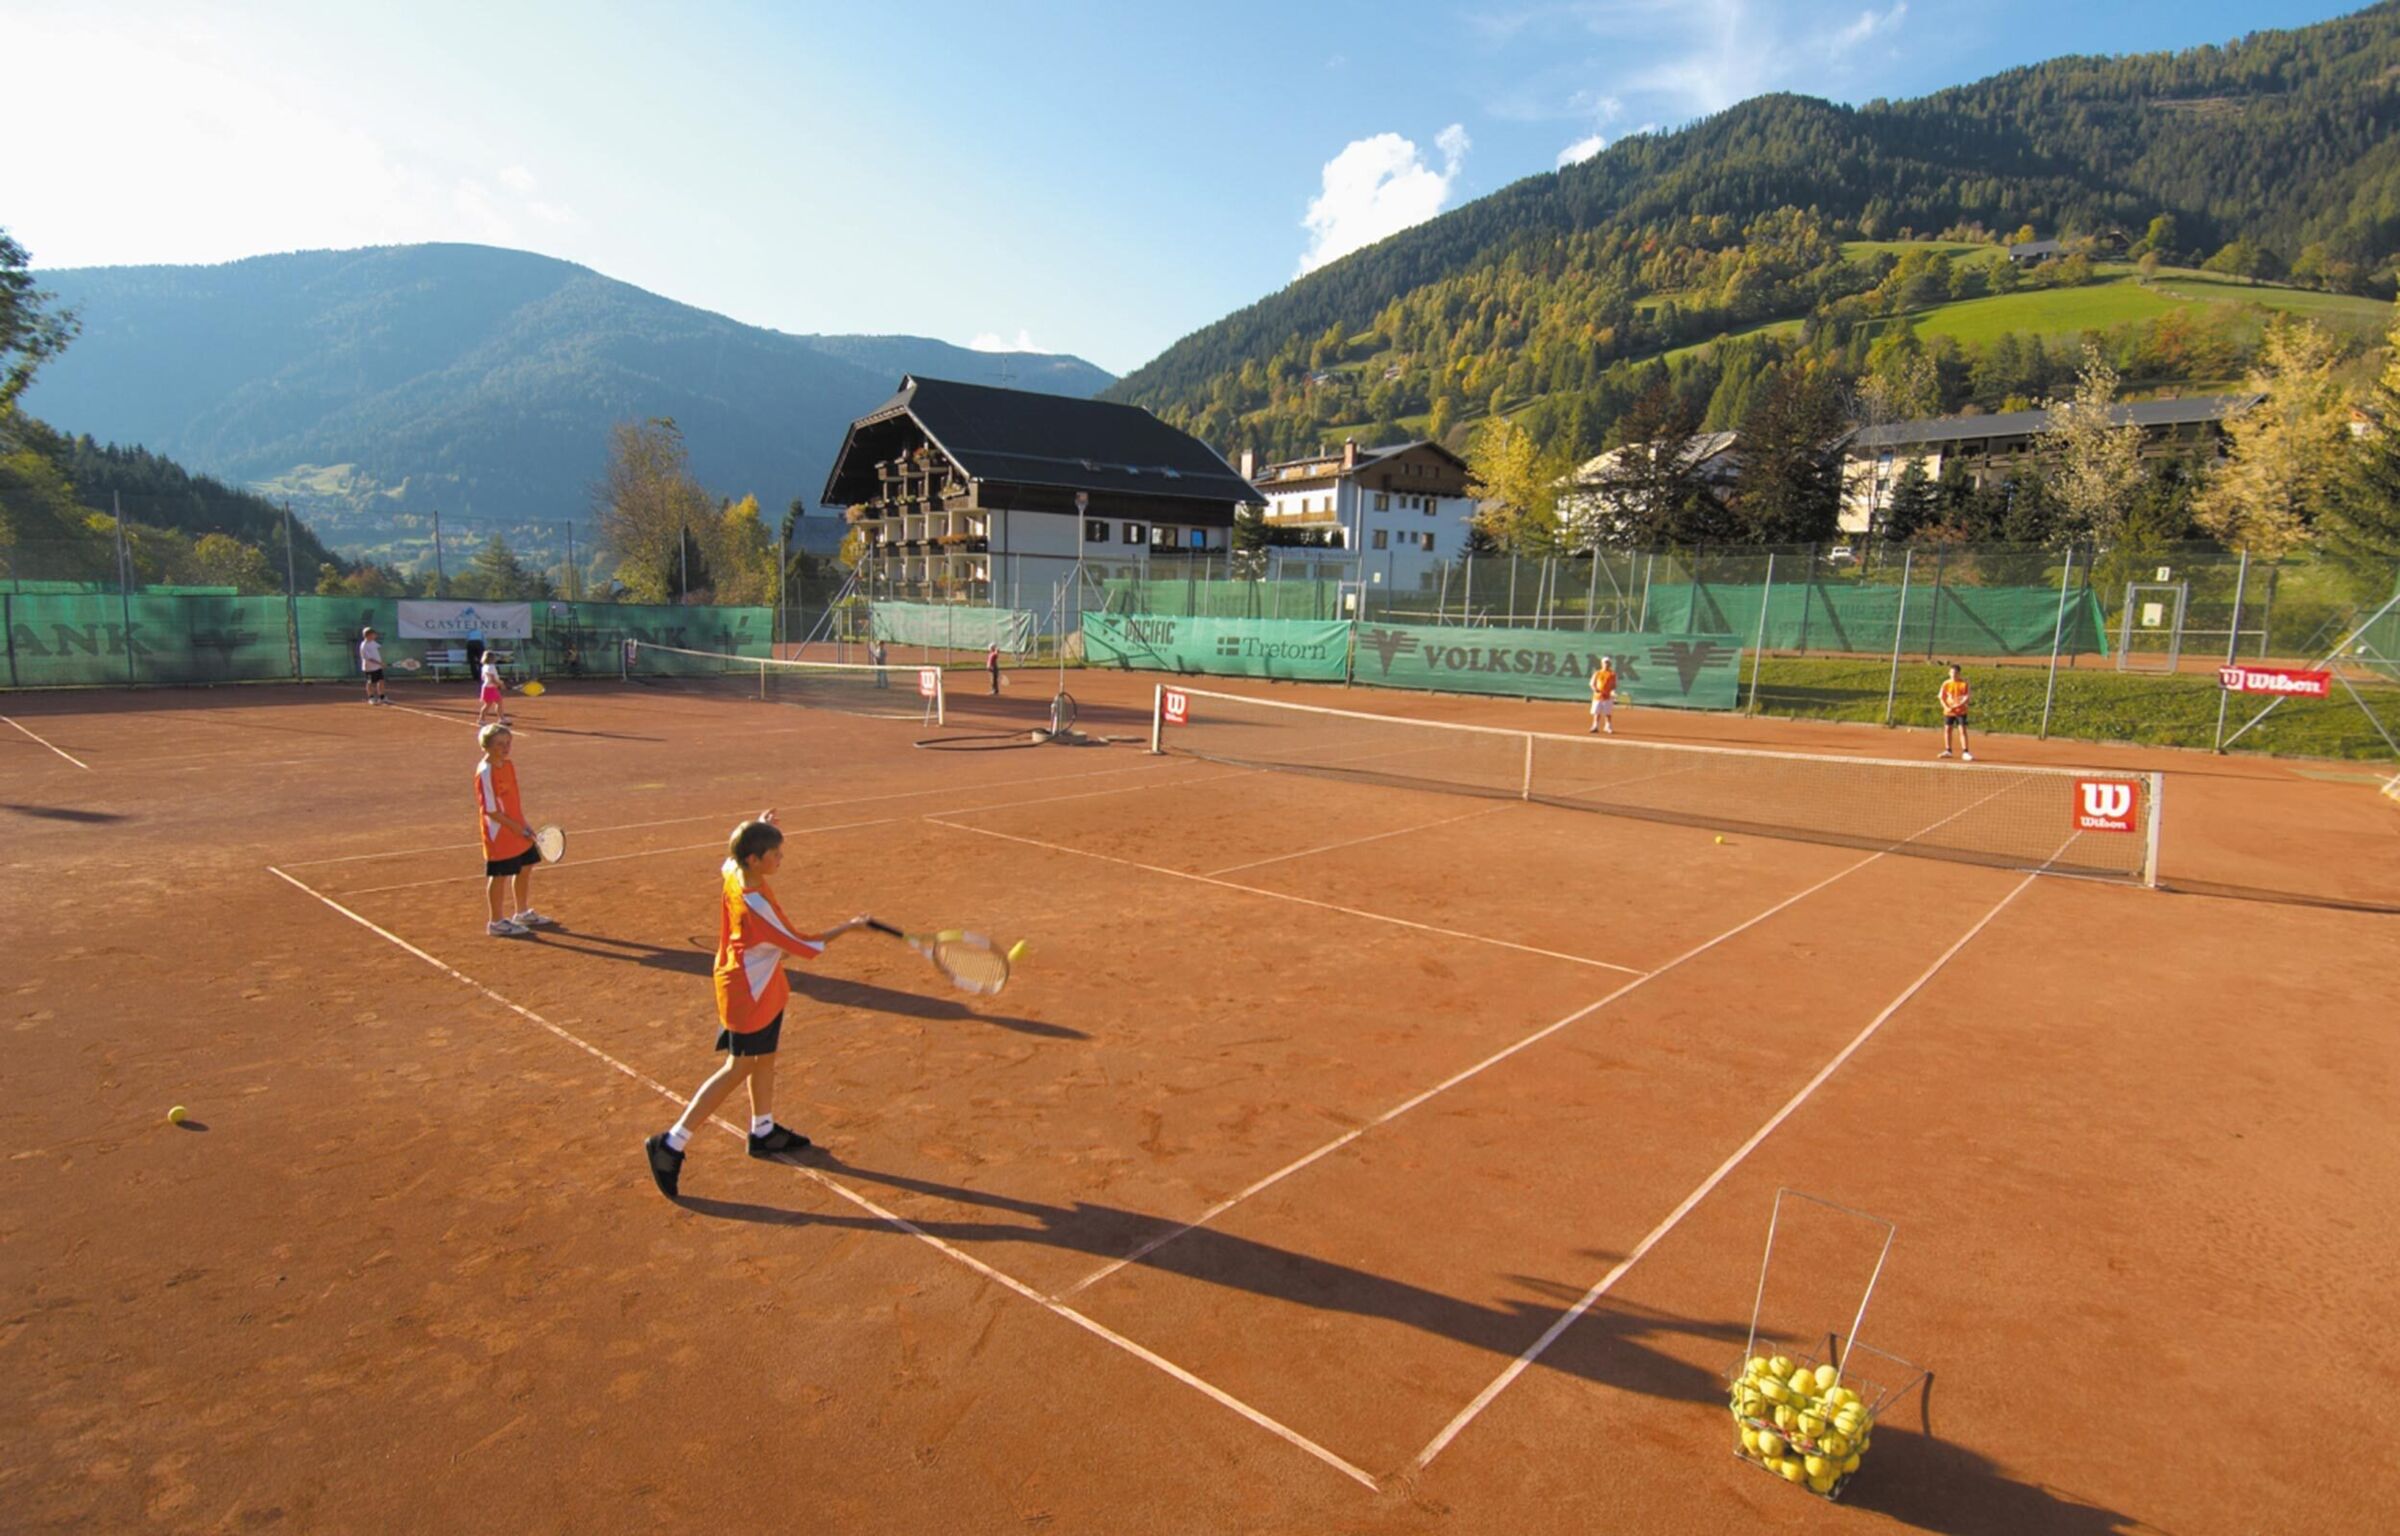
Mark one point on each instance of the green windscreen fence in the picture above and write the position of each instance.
(1680, 671)
(87, 640)
(1302, 649)
(1932, 620)
(951, 626)
(1201, 597)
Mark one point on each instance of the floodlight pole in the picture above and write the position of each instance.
(2233, 642)
(2058, 633)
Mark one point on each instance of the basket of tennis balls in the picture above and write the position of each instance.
(1794, 1417)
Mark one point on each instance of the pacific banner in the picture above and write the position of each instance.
(1678, 671)
(1306, 650)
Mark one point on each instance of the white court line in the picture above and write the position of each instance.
(61, 751)
(1306, 901)
(900, 1223)
(1493, 1060)
(839, 826)
(1147, 766)
(1516, 1367)
(1372, 837)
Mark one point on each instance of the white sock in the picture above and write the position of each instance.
(678, 1138)
(761, 1124)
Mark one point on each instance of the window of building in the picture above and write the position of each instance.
(1199, 538)
(1135, 533)
(1380, 540)
(1095, 530)
(1383, 501)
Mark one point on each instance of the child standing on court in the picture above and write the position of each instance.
(1954, 695)
(753, 938)
(490, 697)
(991, 663)
(1604, 696)
(508, 851)
(370, 662)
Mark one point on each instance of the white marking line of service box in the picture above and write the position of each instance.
(1306, 901)
(1149, 765)
(1516, 1367)
(842, 826)
(61, 751)
(1493, 1060)
(1586, 1011)
(1372, 837)
(897, 1222)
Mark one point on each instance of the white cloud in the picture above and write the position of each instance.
(1376, 187)
(993, 341)
(1868, 24)
(1582, 149)
(517, 179)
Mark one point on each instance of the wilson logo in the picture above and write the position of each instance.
(1176, 707)
(2103, 805)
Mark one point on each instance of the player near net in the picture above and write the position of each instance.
(509, 851)
(754, 938)
(1955, 695)
(1604, 696)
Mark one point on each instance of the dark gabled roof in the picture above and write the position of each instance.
(1022, 437)
(2141, 413)
(2037, 248)
(1328, 466)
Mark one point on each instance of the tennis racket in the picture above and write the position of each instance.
(408, 664)
(971, 960)
(552, 843)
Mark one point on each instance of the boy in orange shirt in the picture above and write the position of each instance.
(753, 939)
(1954, 695)
(1604, 697)
(508, 851)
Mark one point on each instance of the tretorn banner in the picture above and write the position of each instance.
(1678, 671)
(1308, 650)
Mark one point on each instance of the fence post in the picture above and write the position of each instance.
(2241, 581)
(1758, 654)
(2058, 633)
(1649, 567)
(2266, 615)
(1933, 627)
(1466, 604)
(1808, 592)
(1908, 560)
(1512, 589)
(291, 594)
(1591, 595)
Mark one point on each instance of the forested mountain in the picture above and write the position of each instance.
(479, 381)
(2276, 156)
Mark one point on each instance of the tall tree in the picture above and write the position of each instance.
(1646, 492)
(2091, 464)
(652, 512)
(1518, 484)
(1789, 487)
(2360, 527)
(2285, 455)
(31, 330)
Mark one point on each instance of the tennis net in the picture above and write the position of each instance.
(857, 688)
(2069, 821)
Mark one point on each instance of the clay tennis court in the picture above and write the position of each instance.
(1343, 1157)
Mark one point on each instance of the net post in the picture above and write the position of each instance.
(1526, 792)
(2158, 790)
(1758, 655)
(1891, 692)
(762, 682)
(1158, 714)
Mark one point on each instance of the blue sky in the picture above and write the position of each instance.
(1098, 179)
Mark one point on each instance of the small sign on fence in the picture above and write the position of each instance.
(2299, 682)
(929, 682)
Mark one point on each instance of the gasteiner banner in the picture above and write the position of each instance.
(424, 619)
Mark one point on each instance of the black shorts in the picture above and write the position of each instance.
(758, 1042)
(375, 674)
(1950, 720)
(514, 863)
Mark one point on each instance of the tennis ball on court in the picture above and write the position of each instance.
(1826, 1377)
(176, 1115)
(1016, 951)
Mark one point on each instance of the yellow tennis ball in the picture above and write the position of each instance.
(175, 1116)
(1817, 1466)
(1822, 1482)
(1849, 1465)
(1720, 837)
(1804, 1382)
(1756, 1367)
(1770, 1445)
(1780, 1367)
(1826, 1377)
(1793, 1471)
(1016, 951)
(1811, 1426)
(1834, 1446)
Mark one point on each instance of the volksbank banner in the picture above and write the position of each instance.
(1309, 650)
(1681, 671)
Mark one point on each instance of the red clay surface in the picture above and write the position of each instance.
(1378, 1084)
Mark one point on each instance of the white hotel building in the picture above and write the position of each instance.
(1403, 509)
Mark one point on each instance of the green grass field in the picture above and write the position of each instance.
(1867, 250)
(2095, 702)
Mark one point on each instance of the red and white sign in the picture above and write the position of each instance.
(2298, 681)
(929, 681)
(1176, 707)
(2105, 805)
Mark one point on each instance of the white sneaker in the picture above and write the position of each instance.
(529, 918)
(1970, 757)
(504, 929)
(1945, 752)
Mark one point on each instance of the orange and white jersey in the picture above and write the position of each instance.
(1955, 694)
(1604, 684)
(496, 792)
(753, 936)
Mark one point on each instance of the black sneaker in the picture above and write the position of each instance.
(666, 1164)
(777, 1142)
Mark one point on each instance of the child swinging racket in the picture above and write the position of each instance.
(973, 962)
